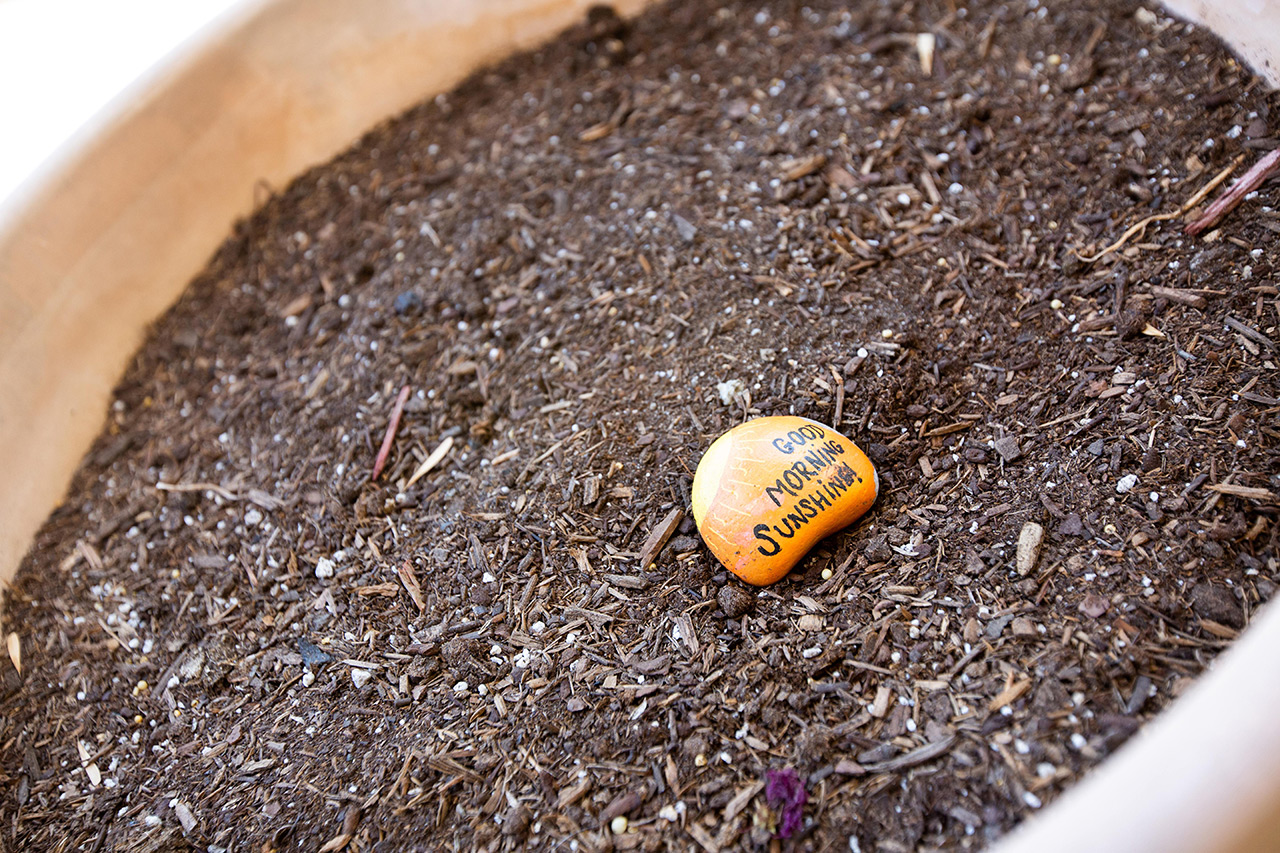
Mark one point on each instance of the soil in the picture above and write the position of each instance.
(232, 638)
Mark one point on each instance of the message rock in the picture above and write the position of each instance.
(767, 490)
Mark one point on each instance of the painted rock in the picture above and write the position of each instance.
(767, 490)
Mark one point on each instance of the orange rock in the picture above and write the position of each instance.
(766, 491)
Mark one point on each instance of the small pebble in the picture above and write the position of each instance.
(1008, 448)
(619, 824)
(1029, 542)
(1094, 605)
(312, 655)
(408, 302)
(730, 390)
(324, 568)
(360, 677)
(1126, 484)
(686, 229)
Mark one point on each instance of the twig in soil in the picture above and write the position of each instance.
(835, 421)
(248, 570)
(110, 812)
(1183, 297)
(1248, 331)
(411, 586)
(1141, 225)
(197, 487)
(385, 450)
(658, 537)
(257, 496)
(112, 634)
(1225, 203)
(615, 121)
(1249, 492)
(920, 755)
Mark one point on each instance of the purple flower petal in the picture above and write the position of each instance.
(785, 792)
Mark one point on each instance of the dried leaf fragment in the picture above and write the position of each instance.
(810, 622)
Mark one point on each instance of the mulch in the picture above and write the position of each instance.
(234, 637)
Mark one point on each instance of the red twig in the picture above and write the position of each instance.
(1226, 202)
(385, 450)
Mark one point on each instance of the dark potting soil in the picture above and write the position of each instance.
(233, 639)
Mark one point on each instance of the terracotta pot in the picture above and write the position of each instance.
(109, 234)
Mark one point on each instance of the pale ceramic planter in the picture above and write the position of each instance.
(106, 238)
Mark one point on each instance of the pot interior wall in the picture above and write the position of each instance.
(1249, 26)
